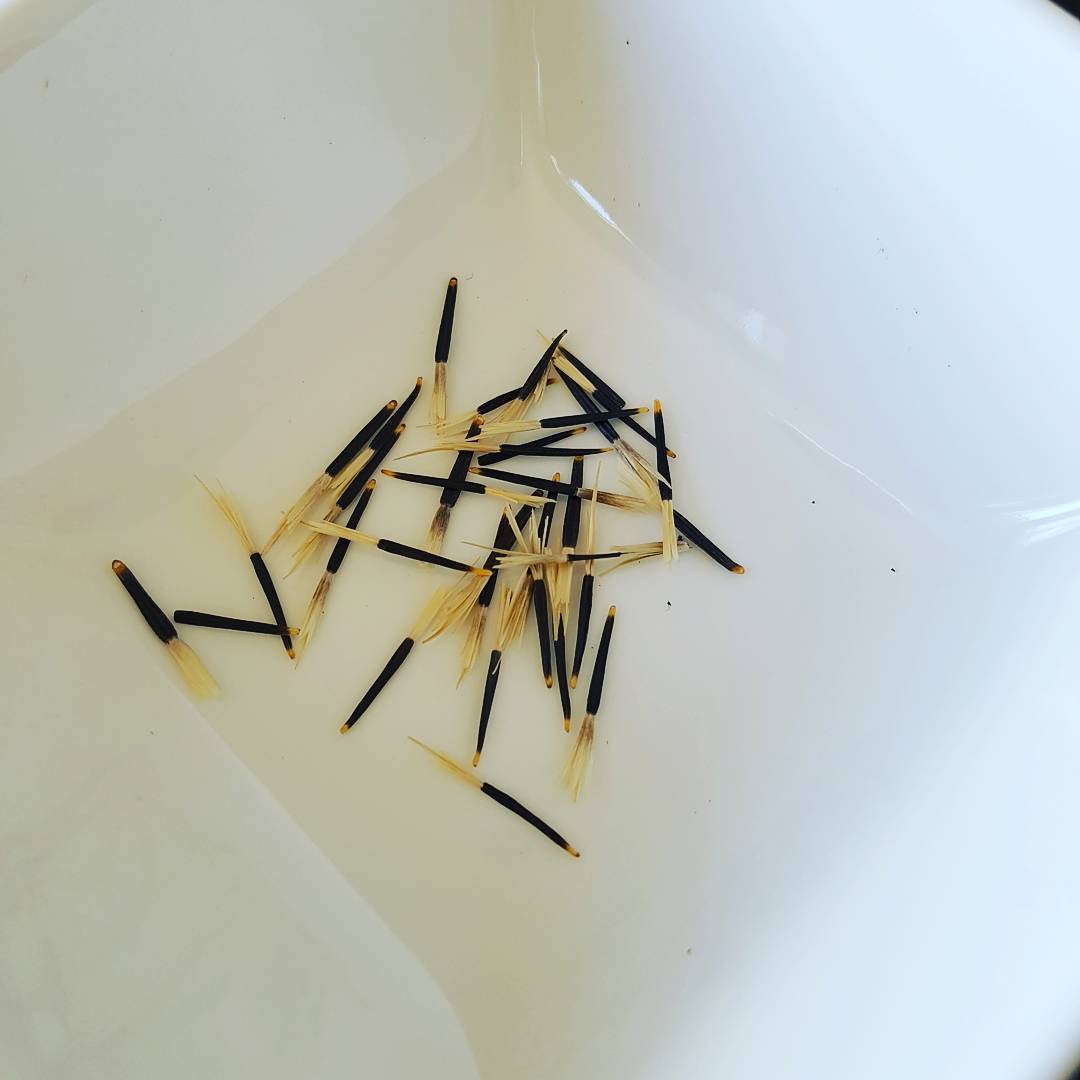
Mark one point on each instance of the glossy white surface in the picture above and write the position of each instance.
(830, 832)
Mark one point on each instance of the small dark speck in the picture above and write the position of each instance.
(916, 310)
(892, 569)
(151, 732)
(813, 502)
(628, 43)
(669, 603)
(689, 952)
(46, 84)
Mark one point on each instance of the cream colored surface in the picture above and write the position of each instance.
(829, 832)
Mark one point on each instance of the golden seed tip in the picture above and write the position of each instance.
(656, 405)
(579, 457)
(573, 682)
(566, 724)
(343, 729)
(481, 571)
(452, 283)
(611, 612)
(118, 566)
(291, 653)
(391, 405)
(739, 570)
(573, 851)
(476, 759)
(557, 477)
(671, 454)
(370, 485)
(399, 429)
(548, 681)
(388, 472)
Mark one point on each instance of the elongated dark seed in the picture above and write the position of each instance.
(376, 688)
(587, 403)
(572, 513)
(437, 481)
(357, 443)
(225, 622)
(596, 683)
(584, 614)
(561, 674)
(551, 487)
(526, 448)
(511, 804)
(380, 448)
(543, 629)
(446, 323)
(272, 599)
(488, 591)
(498, 400)
(699, 540)
(547, 515)
(419, 555)
(506, 451)
(577, 419)
(662, 465)
(156, 619)
(603, 389)
(341, 546)
(403, 409)
(538, 372)
(490, 685)
(460, 469)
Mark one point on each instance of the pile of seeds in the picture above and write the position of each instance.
(554, 563)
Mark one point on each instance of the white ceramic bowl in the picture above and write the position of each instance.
(831, 828)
